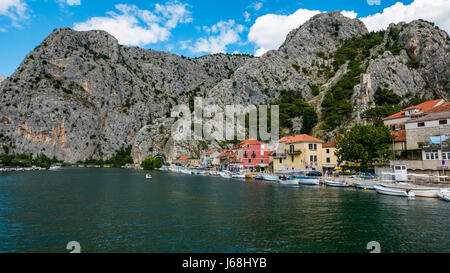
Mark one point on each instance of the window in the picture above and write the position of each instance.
(313, 158)
(292, 158)
(443, 122)
(249, 161)
(291, 149)
(310, 146)
(262, 161)
(253, 154)
(281, 161)
(446, 155)
(245, 154)
(328, 160)
(421, 124)
(328, 151)
(432, 155)
(315, 147)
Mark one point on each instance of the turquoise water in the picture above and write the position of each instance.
(112, 210)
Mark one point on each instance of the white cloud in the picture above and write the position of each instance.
(247, 16)
(436, 11)
(269, 31)
(135, 27)
(256, 6)
(219, 37)
(374, 2)
(72, 2)
(15, 10)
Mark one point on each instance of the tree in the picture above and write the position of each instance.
(151, 163)
(364, 144)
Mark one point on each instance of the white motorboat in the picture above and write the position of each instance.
(394, 191)
(225, 175)
(267, 177)
(444, 194)
(54, 168)
(365, 186)
(308, 181)
(148, 176)
(289, 182)
(238, 175)
(419, 191)
(336, 184)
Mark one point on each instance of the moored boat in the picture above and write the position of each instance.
(225, 175)
(419, 191)
(365, 186)
(336, 184)
(292, 181)
(238, 176)
(258, 177)
(148, 176)
(304, 180)
(267, 177)
(394, 191)
(444, 194)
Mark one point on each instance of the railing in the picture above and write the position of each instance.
(295, 152)
(279, 155)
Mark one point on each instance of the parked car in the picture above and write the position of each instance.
(367, 176)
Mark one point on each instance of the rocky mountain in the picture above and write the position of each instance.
(2, 78)
(81, 95)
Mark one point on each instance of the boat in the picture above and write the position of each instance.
(419, 191)
(267, 177)
(394, 192)
(365, 186)
(336, 184)
(303, 180)
(249, 176)
(444, 194)
(225, 175)
(148, 176)
(238, 176)
(258, 177)
(54, 168)
(292, 181)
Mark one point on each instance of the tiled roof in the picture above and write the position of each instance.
(423, 107)
(249, 141)
(331, 144)
(224, 154)
(400, 136)
(299, 138)
(209, 153)
(445, 107)
(185, 157)
(432, 116)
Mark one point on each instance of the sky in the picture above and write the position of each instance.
(193, 27)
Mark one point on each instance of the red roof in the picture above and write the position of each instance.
(300, 138)
(249, 141)
(426, 106)
(445, 107)
(209, 153)
(224, 154)
(400, 136)
(185, 157)
(331, 144)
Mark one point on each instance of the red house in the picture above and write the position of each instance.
(251, 153)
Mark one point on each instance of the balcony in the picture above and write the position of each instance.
(294, 152)
(429, 145)
(279, 155)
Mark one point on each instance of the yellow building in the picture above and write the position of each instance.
(330, 159)
(303, 152)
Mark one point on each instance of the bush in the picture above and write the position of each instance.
(151, 163)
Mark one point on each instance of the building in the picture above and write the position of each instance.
(397, 122)
(303, 152)
(330, 159)
(425, 138)
(207, 158)
(224, 160)
(187, 161)
(249, 154)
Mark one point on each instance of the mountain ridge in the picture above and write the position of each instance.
(81, 95)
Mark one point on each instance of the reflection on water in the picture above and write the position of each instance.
(121, 211)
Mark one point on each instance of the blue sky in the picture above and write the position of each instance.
(191, 27)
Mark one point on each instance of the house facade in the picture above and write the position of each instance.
(251, 153)
(303, 152)
(206, 159)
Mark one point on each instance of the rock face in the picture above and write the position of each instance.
(81, 95)
(2, 78)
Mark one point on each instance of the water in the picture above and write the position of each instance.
(109, 210)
